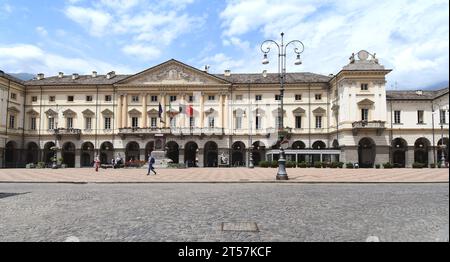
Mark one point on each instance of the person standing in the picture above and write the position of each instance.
(97, 163)
(151, 162)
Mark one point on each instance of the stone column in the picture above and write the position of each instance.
(119, 111)
(202, 110)
(144, 110)
(221, 110)
(182, 116)
(125, 111)
(225, 115)
(163, 105)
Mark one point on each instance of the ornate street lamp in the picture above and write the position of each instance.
(298, 49)
(443, 146)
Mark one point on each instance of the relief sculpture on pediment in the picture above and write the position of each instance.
(173, 73)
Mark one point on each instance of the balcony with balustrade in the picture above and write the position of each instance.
(378, 126)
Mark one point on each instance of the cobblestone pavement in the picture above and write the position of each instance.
(195, 212)
(208, 175)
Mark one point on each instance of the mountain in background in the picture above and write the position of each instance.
(23, 76)
(437, 86)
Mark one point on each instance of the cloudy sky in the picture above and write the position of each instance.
(128, 36)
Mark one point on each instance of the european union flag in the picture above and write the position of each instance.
(160, 111)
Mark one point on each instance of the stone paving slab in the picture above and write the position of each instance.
(224, 175)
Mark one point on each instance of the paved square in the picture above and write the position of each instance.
(234, 175)
(196, 212)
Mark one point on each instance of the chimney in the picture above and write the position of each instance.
(207, 68)
(40, 76)
(227, 72)
(419, 92)
(264, 73)
(94, 74)
(110, 75)
(75, 76)
(60, 75)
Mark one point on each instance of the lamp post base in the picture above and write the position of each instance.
(282, 174)
(282, 177)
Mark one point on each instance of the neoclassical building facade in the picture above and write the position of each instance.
(196, 117)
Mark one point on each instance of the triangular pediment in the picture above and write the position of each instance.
(172, 72)
(32, 112)
(51, 112)
(365, 102)
(153, 112)
(107, 112)
(88, 112)
(319, 110)
(134, 111)
(69, 113)
(298, 111)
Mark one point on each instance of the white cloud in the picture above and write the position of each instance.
(95, 21)
(41, 31)
(30, 58)
(144, 23)
(141, 51)
(410, 37)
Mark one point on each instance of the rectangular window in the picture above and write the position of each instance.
(191, 98)
(238, 122)
(211, 98)
(258, 122)
(88, 98)
(154, 98)
(364, 87)
(33, 123)
(134, 122)
(107, 123)
(298, 97)
(318, 121)
(277, 97)
(365, 114)
(238, 97)
(69, 122)
(397, 119)
(69, 98)
(258, 97)
(12, 121)
(191, 121)
(442, 117)
(173, 98)
(420, 117)
(278, 122)
(88, 124)
(318, 97)
(108, 98)
(51, 123)
(298, 122)
(211, 122)
(51, 98)
(134, 98)
(13, 96)
(34, 99)
(173, 122)
(153, 122)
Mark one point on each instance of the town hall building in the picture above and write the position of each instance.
(199, 119)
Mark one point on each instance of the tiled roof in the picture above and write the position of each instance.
(10, 77)
(273, 78)
(81, 80)
(233, 78)
(413, 95)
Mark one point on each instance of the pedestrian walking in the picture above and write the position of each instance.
(151, 162)
(97, 163)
